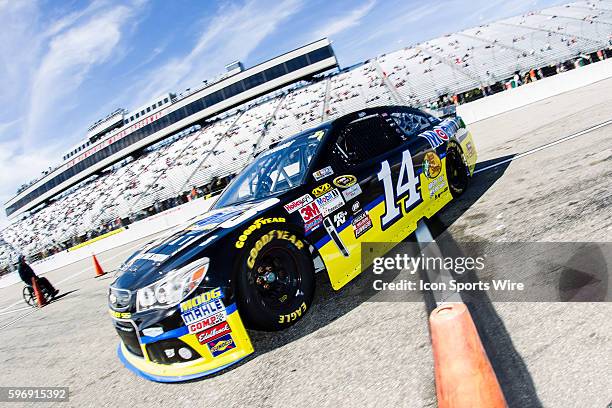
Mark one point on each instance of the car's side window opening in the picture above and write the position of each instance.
(281, 168)
(411, 123)
(362, 139)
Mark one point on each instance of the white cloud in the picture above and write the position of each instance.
(394, 28)
(337, 25)
(17, 164)
(71, 55)
(43, 62)
(47, 75)
(233, 33)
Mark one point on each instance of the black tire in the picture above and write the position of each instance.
(275, 279)
(29, 297)
(457, 171)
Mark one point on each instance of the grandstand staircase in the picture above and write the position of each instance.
(594, 44)
(324, 115)
(265, 131)
(145, 199)
(469, 78)
(538, 59)
(194, 178)
(390, 86)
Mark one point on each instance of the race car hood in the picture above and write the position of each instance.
(183, 245)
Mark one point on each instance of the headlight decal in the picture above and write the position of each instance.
(173, 288)
(172, 334)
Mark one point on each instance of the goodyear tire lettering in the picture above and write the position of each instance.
(254, 227)
(267, 238)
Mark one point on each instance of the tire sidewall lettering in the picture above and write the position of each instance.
(266, 239)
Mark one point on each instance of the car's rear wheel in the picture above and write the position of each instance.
(275, 282)
(456, 170)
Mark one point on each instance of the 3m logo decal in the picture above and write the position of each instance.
(310, 212)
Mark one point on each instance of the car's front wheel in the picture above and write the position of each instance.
(275, 282)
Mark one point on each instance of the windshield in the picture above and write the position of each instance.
(279, 169)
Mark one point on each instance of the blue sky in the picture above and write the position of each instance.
(64, 64)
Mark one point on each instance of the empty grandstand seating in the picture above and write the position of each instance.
(222, 146)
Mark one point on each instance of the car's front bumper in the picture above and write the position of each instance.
(205, 364)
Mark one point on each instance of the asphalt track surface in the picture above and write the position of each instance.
(351, 352)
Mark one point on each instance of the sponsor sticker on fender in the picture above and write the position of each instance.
(298, 203)
(310, 212)
(207, 322)
(362, 223)
(345, 181)
(432, 165)
(329, 202)
(351, 192)
(436, 186)
(470, 149)
(322, 189)
(324, 172)
(221, 345)
(203, 311)
(314, 224)
(201, 298)
(213, 333)
(340, 218)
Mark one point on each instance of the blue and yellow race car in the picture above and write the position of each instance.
(181, 305)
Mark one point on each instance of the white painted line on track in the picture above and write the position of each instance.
(5, 310)
(121, 253)
(547, 145)
(429, 247)
(11, 305)
(18, 319)
(15, 311)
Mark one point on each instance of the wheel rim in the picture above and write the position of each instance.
(28, 296)
(456, 173)
(276, 279)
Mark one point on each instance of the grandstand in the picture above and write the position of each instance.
(199, 159)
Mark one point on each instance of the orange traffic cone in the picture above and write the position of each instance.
(464, 376)
(40, 299)
(97, 267)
